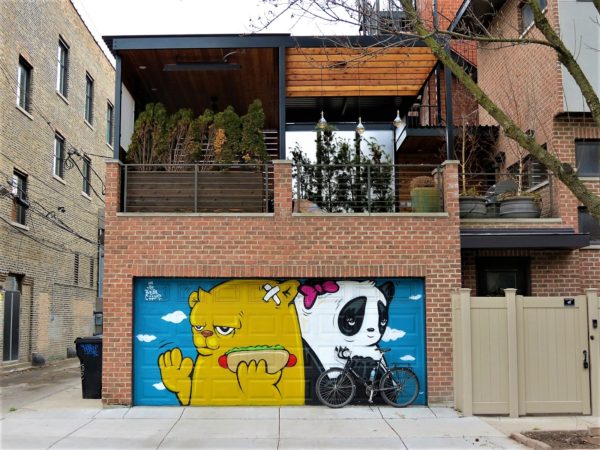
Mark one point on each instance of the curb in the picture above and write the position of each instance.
(532, 443)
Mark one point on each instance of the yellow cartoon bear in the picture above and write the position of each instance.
(249, 347)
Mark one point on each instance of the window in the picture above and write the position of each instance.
(496, 274)
(62, 68)
(527, 14)
(19, 192)
(589, 224)
(109, 123)
(86, 172)
(59, 155)
(536, 172)
(24, 85)
(89, 98)
(587, 156)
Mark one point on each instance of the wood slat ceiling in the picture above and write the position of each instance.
(201, 89)
(333, 72)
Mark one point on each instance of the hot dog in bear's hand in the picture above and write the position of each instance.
(275, 356)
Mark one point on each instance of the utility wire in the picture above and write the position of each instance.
(44, 242)
(13, 83)
(63, 198)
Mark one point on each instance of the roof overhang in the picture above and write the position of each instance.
(176, 41)
(473, 14)
(547, 238)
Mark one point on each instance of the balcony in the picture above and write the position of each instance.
(197, 188)
(250, 188)
(495, 196)
(366, 188)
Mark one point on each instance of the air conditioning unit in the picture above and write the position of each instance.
(386, 22)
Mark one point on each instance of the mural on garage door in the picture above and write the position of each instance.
(264, 342)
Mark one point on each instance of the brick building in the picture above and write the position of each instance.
(57, 115)
(188, 281)
(529, 83)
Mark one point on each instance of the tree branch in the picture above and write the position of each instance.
(564, 172)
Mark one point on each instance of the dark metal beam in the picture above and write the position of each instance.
(450, 154)
(281, 102)
(116, 43)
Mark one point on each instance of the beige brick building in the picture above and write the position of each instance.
(57, 90)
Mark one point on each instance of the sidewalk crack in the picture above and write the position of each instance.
(171, 429)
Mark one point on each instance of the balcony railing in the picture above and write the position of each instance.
(496, 187)
(362, 188)
(197, 188)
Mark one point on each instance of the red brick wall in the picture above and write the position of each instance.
(525, 80)
(278, 246)
(464, 107)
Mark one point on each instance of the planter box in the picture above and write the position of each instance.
(425, 199)
(519, 208)
(189, 191)
(472, 207)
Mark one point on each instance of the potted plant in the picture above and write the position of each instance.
(523, 205)
(519, 203)
(473, 152)
(424, 196)
(471, 204)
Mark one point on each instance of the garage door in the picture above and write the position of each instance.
(197, 341)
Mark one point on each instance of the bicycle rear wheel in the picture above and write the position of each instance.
(335, 388)
(399, 386)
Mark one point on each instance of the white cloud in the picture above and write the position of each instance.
(407, 358)
(159, 386)
(415, 297)
(391, 334)
(175, 317)
(145, 337)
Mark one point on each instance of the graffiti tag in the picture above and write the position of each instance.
(151, 294)
(90, 350)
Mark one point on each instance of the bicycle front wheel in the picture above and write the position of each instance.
(399, 387)
(335, 388)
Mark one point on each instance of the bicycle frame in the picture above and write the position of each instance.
(366, 382)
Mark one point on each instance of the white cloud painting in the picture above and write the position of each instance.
(174, 317)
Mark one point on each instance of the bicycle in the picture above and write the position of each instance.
(336, 387)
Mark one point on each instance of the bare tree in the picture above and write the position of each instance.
(440, 40)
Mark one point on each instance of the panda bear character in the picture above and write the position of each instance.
(334, 314)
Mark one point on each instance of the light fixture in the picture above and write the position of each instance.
(360, 128)
(398, 122)
(322, 123)
(142, 67)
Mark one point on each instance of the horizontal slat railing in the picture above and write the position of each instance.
(197, 188)
(362, 188)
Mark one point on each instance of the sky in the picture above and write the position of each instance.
(143, 17)
(140, 17)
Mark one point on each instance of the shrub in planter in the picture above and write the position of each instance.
(424, 196)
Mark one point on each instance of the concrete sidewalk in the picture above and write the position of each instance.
(309, 427)
(60, 418)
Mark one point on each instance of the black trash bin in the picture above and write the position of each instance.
(89, 352)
